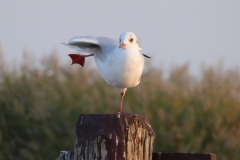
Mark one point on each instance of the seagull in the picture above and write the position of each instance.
(119, 62)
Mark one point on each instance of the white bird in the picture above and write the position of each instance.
(119, 62)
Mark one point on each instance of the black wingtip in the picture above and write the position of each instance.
(146, 56)
(64, 44)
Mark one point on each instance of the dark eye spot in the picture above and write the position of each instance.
(131, 40)
(119, 40)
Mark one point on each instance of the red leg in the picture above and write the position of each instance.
(88, 55)
(121, 102)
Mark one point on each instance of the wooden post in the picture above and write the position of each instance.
(66, 155)
(123, 136)
(183, 156)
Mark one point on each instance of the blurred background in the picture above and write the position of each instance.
(190, 88)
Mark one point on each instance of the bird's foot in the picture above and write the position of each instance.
(119, 111)
(79, 59)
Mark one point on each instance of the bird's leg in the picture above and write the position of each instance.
(88, 55)
(122, 94)
(121, 102)
(79, 59)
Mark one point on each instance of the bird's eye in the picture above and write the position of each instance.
(131, 40)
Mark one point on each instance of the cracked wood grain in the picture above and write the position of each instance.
(113, 137)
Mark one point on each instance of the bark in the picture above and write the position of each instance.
(66, 155)
(113, 137)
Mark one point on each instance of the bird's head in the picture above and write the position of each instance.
(128, 40)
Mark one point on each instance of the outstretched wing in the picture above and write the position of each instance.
(85, 44)
(90, 44)
(97, 46)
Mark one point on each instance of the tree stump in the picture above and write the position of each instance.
(123, 136)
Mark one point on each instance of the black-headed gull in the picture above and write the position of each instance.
(119, 62)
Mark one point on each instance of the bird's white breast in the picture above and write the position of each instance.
(122, 68)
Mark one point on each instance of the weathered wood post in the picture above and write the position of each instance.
(183, 156)
(66, 155)
(123, 136)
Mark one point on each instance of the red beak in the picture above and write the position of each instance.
(122, 45)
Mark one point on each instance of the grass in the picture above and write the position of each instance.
(39, 107)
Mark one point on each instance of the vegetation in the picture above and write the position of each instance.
(39, 107)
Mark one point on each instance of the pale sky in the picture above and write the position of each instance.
(171, 32)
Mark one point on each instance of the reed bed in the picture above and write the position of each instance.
(39, 107)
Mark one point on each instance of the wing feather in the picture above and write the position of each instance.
(85, 44)
(90, 44)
